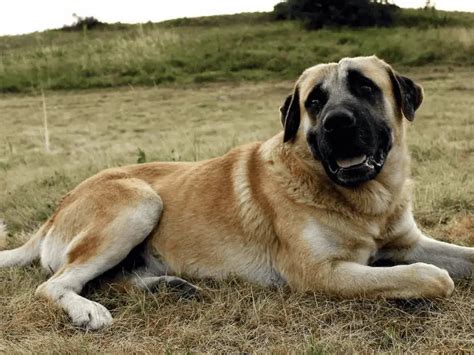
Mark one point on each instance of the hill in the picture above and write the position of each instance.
(220, 48)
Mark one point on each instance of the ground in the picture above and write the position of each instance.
(91, 130)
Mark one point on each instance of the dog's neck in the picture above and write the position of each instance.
(307, 182)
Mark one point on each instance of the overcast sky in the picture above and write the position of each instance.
(24, 16)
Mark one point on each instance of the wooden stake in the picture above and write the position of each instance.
(45, 124)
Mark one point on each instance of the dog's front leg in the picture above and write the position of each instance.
(409, 245)
(353, 280)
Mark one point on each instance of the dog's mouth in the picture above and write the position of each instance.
(355, 170)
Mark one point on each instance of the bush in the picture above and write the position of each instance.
(84, 23)
(352, 13)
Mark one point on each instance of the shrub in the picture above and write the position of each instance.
(316, 14)
(84, 23)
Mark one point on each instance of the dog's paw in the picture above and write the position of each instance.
(433, 281)
(90, 315)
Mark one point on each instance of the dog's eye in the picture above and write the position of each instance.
(366, 90)
(316, 99)
(314, 102)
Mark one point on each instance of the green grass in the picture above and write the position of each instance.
(91, 130)
(229, 48)
(433, 18)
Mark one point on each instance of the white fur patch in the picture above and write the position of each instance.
(324, 243)
(52, 251)
(83, 312)
(307, 125)
(88, 314)
(318, 239)
(404, 225)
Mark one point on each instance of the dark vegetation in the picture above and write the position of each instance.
(316, 14)
(84, 23)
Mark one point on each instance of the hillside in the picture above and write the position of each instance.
(220, 48)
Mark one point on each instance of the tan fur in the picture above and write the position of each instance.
(265, 212)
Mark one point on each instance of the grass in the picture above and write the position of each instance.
(237, 48)
(94, 129)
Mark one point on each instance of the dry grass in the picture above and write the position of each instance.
(96, 129)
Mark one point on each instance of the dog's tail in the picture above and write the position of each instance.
(23, 255)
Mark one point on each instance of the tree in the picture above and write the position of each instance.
(429, 4)
(83, 23)
(353, 13)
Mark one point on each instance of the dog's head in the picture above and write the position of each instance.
(349, 113)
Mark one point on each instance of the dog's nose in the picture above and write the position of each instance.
(339, 120)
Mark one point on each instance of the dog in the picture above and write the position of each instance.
(315, 207)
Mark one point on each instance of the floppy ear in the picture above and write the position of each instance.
(408, 94)
(284, 109)
(290, 116)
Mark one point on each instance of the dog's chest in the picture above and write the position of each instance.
(344, 242)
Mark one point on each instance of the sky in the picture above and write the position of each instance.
(25, 16)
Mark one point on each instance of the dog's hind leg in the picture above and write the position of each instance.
(151, 283)
(122, 218)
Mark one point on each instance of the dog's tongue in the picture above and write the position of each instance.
(347, 163)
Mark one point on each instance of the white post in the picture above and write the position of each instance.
(45, 124)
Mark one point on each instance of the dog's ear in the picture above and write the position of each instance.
(290, 116)
(408, 94)
(284, 109)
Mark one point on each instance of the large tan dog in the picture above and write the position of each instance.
(313, 207)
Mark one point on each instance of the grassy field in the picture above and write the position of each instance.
(94, 129)
(248, 47)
